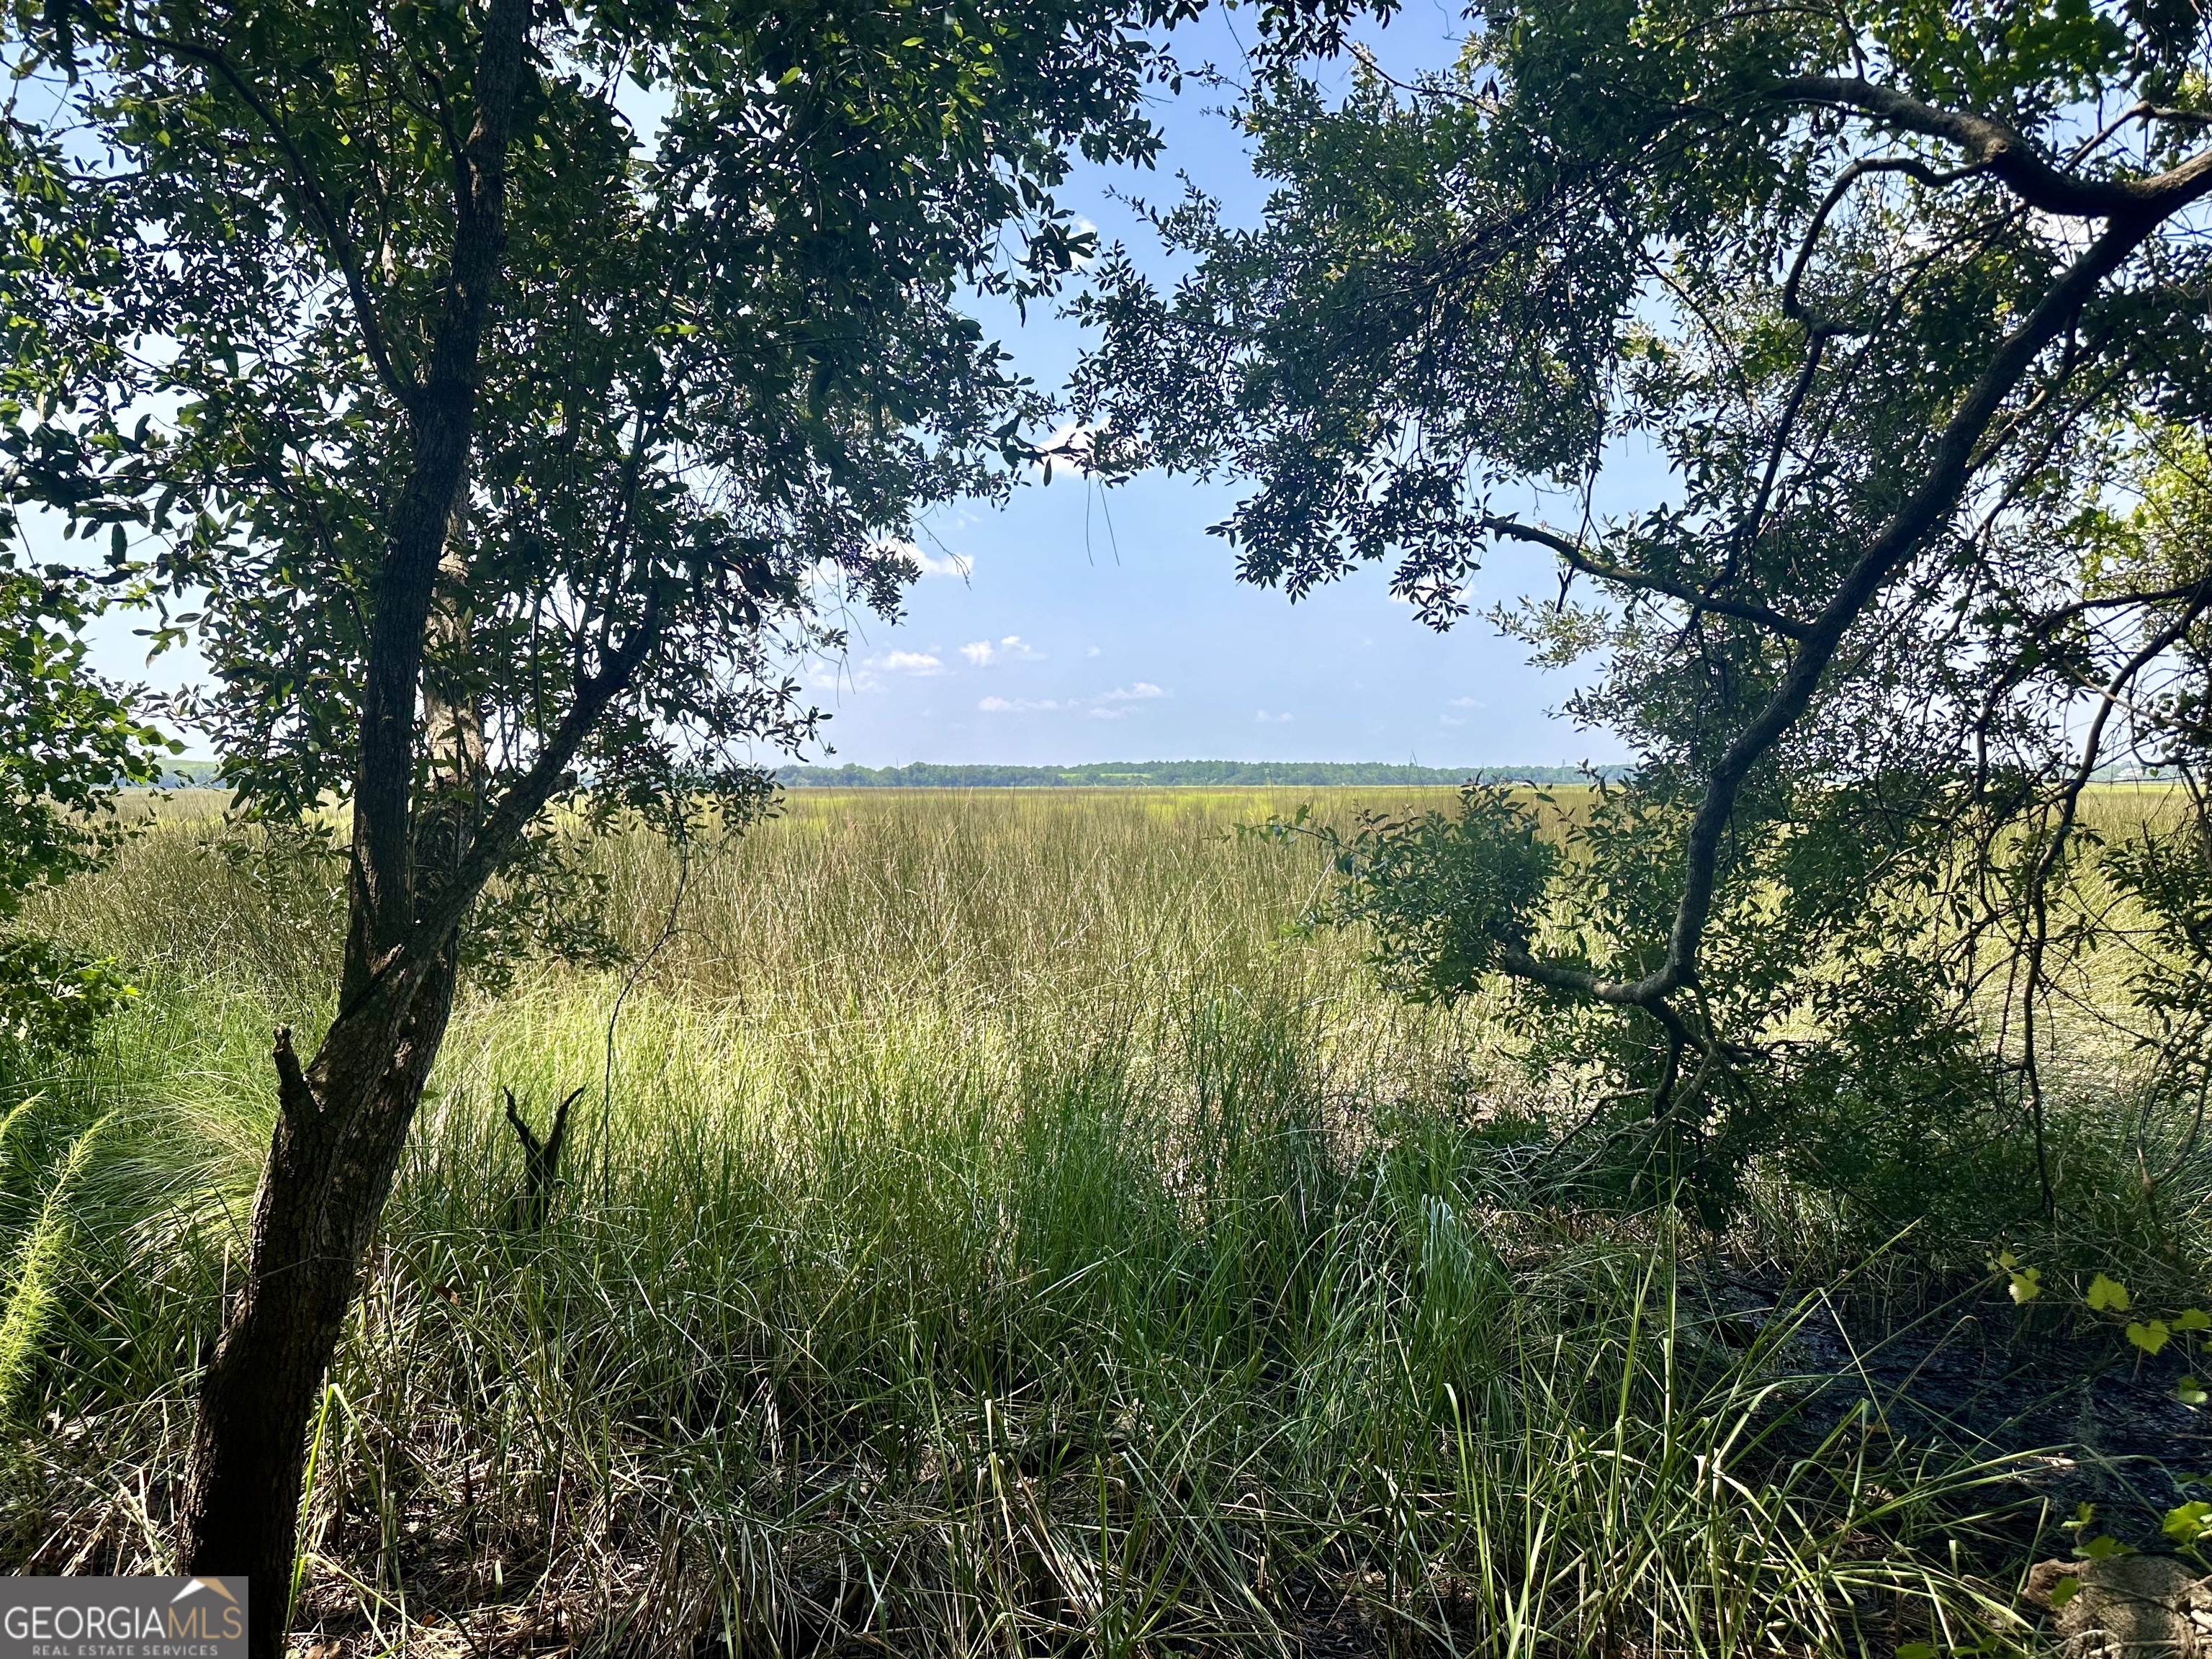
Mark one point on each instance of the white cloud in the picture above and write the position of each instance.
(1015, 706)
(1266, 719)
(1013, 648)
(1465, 702)
(1091, 650)
(1446, 720)
(1106, 706)
(907, 662)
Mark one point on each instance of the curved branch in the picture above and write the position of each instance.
(2037, 926)
(1912, 169)
(1956, 455)
(1571, 551)
(2045, 621)
(2031, 175)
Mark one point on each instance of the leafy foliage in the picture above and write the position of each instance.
(1447, 895)
(726, 364)
(1912, 306)
(68, 745)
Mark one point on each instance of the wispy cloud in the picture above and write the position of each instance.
(907, 662)
(1013, 648)
(1266, 719)
(1106, 706)
(1465, 702)
(1019, 705)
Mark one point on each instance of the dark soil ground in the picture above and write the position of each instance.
(2090, 1418)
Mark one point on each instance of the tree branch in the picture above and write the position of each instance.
(2045, 621)
(398, 379)
(1956, 455)
(503, 826)
(294, 1094)
(1605, 570)
(1850, 175)
(2030, 174)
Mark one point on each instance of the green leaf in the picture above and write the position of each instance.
(2150, 1336)
(2026, 1285)
(2107, 1295)
(2065, 1591)
(2105, 1548)
(2186, 1523)
(2192, 1319)
(2190, 1392)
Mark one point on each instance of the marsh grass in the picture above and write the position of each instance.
(994, 1227)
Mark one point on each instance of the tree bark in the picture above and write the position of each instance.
(344, 1118)
(341, 1129)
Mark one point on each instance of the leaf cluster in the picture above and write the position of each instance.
(723, 366)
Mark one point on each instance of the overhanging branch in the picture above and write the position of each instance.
(1958, 452)
(2026, 171)
(1573, 554)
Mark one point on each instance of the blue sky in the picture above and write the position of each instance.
(1081, 624)
(1084, 624)
(1095, 624)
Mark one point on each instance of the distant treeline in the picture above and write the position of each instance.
(1170, 774)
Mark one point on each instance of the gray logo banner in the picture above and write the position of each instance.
(123, 1618)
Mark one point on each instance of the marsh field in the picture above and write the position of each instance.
(990, 1222)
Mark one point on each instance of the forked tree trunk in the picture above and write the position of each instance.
(342, 1126)
(416, 865)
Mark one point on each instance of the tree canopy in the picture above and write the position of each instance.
(1911, 303)
(501, 396)
(704, 370)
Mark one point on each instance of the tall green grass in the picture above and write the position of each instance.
(993, 1227)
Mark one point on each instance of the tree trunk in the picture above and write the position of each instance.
(343, 1126)
(344, 1118)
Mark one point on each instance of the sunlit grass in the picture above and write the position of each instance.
(991, 1225)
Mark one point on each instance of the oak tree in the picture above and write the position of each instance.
(1910, 302)
(503, 395)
